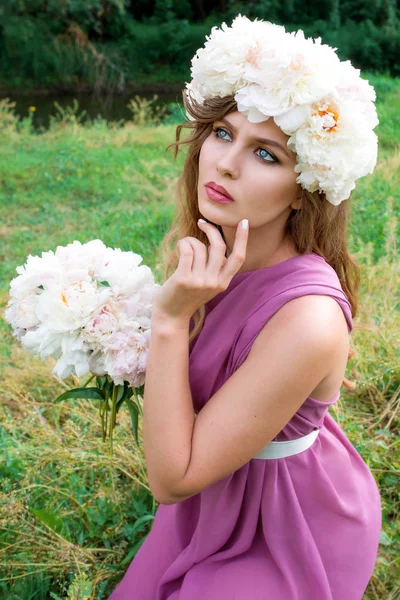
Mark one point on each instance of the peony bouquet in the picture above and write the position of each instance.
(89, 307)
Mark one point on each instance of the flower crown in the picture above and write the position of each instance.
(318, 100)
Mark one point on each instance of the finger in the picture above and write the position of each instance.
(184, 267)
(199, 258)
(216, 249)
(238, 255)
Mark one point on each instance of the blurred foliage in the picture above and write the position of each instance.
(146, 112)
(106, 43)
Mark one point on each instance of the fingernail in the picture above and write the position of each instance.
(245, 223)
(201, 221)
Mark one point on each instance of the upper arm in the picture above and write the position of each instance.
(290, 356)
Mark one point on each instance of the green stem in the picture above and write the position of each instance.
(113, 414)
(139, 403)
(89, 380)
(102, 421)
(106, 413)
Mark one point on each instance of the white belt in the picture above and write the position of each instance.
(288, 448)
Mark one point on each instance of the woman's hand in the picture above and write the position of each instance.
(195, 280)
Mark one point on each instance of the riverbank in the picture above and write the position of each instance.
(42, 103)
(382, 82)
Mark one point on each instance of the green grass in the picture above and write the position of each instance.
(71, 516)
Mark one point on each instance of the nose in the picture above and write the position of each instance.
(228, 163)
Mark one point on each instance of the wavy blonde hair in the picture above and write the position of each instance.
(318, 226)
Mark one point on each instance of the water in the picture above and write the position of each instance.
(111, 108)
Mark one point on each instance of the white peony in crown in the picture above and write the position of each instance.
(318, 100)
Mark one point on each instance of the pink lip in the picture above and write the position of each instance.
(218, 193)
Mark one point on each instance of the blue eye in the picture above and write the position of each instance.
(218, 131)
(266, 153)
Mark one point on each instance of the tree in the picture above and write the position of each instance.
(334, 18)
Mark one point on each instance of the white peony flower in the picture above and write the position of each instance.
(296, 74)
(126, 356)
(74, 357)
(37, 272)
(66, 306)
(96, 362)
(103, 323)
(81, 257)
(21, 310)
(123, 271)
(218, 68)
(325, 144)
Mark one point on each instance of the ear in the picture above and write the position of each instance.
(296, 204)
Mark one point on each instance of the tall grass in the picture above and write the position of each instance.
(72, 517)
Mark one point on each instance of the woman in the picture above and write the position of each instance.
(263, 497)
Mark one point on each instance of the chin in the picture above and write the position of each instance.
(211, 210)
(209, 215)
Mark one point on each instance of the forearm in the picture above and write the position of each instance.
(168, 415)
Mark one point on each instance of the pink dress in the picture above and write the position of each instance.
(304, 527)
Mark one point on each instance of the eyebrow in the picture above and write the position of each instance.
(260, 140)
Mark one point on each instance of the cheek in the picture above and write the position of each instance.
(291, 185)
(201, 160)
(271, 182)
(208, 154)
(281, 176)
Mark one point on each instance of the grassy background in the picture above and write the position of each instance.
(71, 516)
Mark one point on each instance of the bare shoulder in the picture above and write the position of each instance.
(313, 318)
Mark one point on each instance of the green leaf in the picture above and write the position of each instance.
(140, 390)
(133, 411)
(132, 552)
(101, 381)
(127, 393)
(120, 392)
(50, 519)
(138, 523)
(87, 393)
(105, 283)
(108, 386)
(138, 402)
(384, 539)
(129, 556)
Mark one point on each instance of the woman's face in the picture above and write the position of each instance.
(252, 162)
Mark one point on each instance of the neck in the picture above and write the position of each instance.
(263, 248)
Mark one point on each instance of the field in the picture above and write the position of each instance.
(71, 516)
